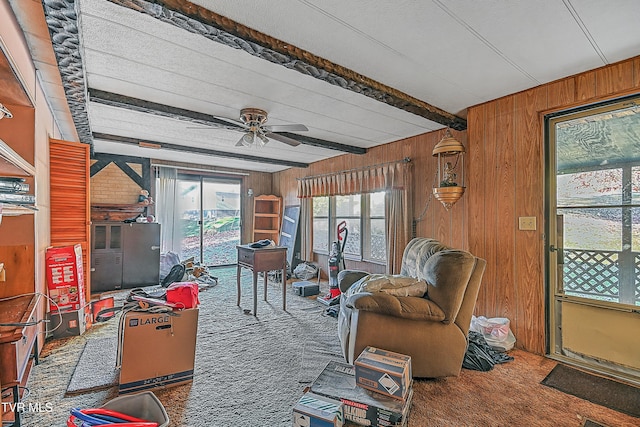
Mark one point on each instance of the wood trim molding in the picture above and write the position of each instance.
(143, 180)
(121, 101)
(62, 21)
(199, 20)
(197, 150)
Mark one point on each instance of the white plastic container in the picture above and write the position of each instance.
(143, 405)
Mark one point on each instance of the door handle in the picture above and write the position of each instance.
(155, 248)
(560, 253)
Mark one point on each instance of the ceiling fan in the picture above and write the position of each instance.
(252, 124)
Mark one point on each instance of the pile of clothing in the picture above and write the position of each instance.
(173, 270)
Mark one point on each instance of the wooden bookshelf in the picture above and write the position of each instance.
(267, 216)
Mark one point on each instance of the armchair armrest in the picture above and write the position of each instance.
(346, 278)
(414, 308)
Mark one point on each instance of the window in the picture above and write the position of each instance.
(348, 209)
(375, 247)
(321, 224)
(364, 217)
(597, 201)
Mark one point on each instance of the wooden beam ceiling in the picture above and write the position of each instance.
(135, 104)
(199, 20)
(196, 150)
(63, 29)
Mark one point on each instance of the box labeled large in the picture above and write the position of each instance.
(65, 277)
(384, 372)
(361, 406)
(313, 410)
(157, 349)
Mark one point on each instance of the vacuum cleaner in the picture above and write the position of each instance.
(335, 258)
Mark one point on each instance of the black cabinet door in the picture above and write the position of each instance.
(106, 256)
(141, 254)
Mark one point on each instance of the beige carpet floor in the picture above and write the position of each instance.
(251, 370)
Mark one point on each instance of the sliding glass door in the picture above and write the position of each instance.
(208, 211)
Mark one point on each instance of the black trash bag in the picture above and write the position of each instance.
(176, 274)
(480, 356)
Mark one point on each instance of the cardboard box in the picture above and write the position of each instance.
(157, 350)
(73, 323)
(306, 288)
(361, 406)
(384, 371)
(313, 410)
(65, 278)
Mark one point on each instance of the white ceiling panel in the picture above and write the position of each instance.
(540, 33)
(451, 54)
(613, 25)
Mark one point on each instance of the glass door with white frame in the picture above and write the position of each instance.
(209, 216)
(594, 237)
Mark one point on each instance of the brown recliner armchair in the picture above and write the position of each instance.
(432, 329)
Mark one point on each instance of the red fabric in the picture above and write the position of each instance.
(183, 294)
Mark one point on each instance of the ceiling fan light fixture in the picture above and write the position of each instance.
(248, 139)
(263, 139)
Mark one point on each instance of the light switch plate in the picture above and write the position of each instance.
(527, 223)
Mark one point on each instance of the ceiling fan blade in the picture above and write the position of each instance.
(228, 124)
(232, 121)
(286, 128)
(290, 141)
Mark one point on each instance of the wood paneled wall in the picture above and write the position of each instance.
(506, 181)
(446, 226)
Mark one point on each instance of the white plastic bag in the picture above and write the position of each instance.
(495, 331)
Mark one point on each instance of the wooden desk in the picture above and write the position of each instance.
(17, 343)
(263, 260)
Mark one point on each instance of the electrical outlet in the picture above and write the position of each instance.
(527, 223)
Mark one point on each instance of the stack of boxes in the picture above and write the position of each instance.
(375, 391)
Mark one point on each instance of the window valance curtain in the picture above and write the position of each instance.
(387, 176)
(394, 178)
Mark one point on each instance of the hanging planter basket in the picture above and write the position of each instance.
(448, 195)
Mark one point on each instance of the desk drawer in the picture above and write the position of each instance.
(245, 256)
(14, 356)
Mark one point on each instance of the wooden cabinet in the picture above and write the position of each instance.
(20, 243)
(124, 255)
(69, 180)
(267, 216)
